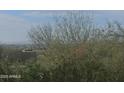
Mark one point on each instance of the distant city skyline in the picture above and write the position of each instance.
(14, 24)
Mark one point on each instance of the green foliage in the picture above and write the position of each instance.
(74, 50)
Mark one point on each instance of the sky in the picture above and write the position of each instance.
(15, 24)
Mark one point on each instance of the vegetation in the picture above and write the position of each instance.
(74, 49)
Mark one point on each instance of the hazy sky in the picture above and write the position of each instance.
(14, 24)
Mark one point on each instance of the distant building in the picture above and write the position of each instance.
(27, 50)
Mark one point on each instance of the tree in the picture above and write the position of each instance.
(72, 27)
(41, 36)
